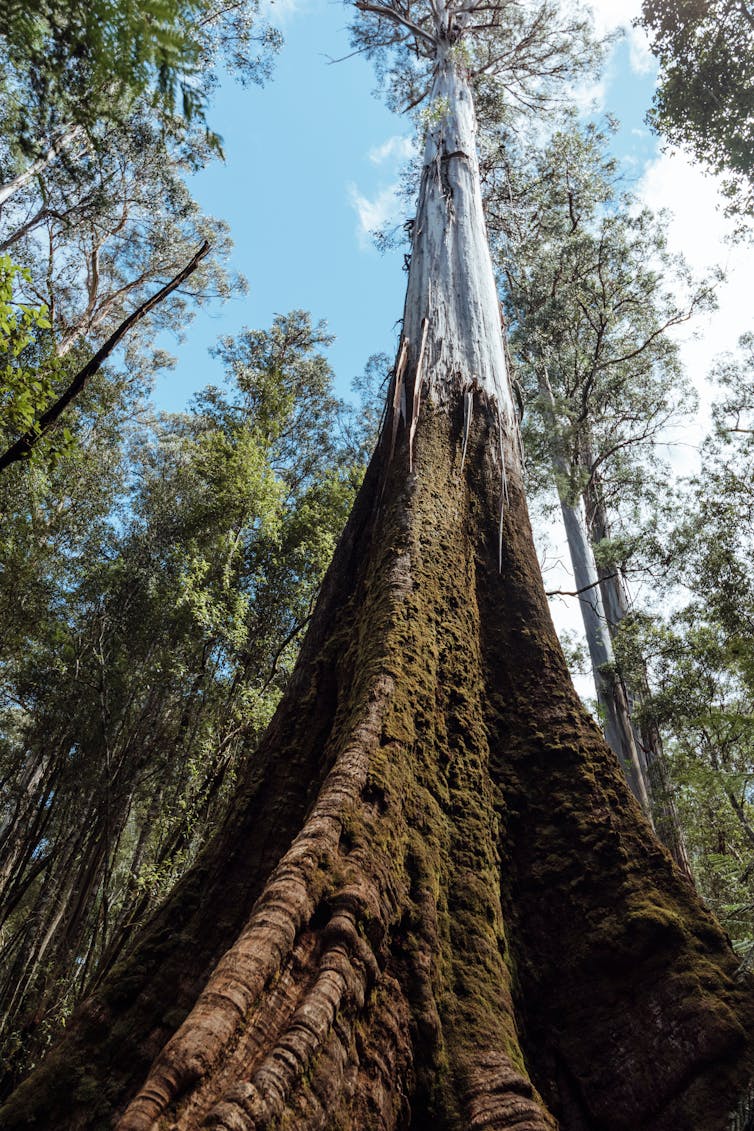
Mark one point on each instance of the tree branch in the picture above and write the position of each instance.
(584, 588)
(397, 18)
(23, 447)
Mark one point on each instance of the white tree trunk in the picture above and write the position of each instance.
(611, 694)
(452, 315)
(617, 603)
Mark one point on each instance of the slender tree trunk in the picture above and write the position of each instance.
(611, 694)
(616, 604)
(430, 810)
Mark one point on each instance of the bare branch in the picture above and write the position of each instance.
(584, 588)
(397, 18)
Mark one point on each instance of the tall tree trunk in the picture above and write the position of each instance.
(616, 603)
(611, 694)
(430, 811)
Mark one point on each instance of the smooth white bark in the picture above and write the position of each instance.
(611, 694)
(451, 282)
(617, 604)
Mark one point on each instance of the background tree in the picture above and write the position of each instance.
(139, 671)
(592, 296)
(701, 653)
(704, 100)
(74, 67)
(105, 223)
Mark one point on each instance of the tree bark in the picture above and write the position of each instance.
(434, 902)
(430, 799)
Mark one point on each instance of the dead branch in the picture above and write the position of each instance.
(22, 448)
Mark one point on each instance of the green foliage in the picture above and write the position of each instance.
(591, 296)
(705, 94)
(88, 63)
(29, 369)
(155, 586)
(24, 386)
(700, 652)
(520, 57)
(107, 218)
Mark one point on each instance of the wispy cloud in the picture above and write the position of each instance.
(396, 148)
(374, 213)
(697, 228)
(281, 12)
(590, 98)
(610, 17)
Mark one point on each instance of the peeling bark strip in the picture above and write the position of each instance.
(451, 281)
(398, 412)
(416, 400)
(468, 413)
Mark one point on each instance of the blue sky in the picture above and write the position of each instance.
(297, 153)
(311, 163)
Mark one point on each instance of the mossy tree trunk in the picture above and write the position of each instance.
(434, 903)
(434, 887)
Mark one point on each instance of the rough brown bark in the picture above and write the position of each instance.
(435, 903)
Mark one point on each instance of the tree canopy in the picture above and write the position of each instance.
(705, 95)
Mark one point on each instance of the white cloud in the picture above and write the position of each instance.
(374, 213)
(610, 17)
(396, 148)
(641, 59)
(697, 228)
(281, 12)
(590, 98)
